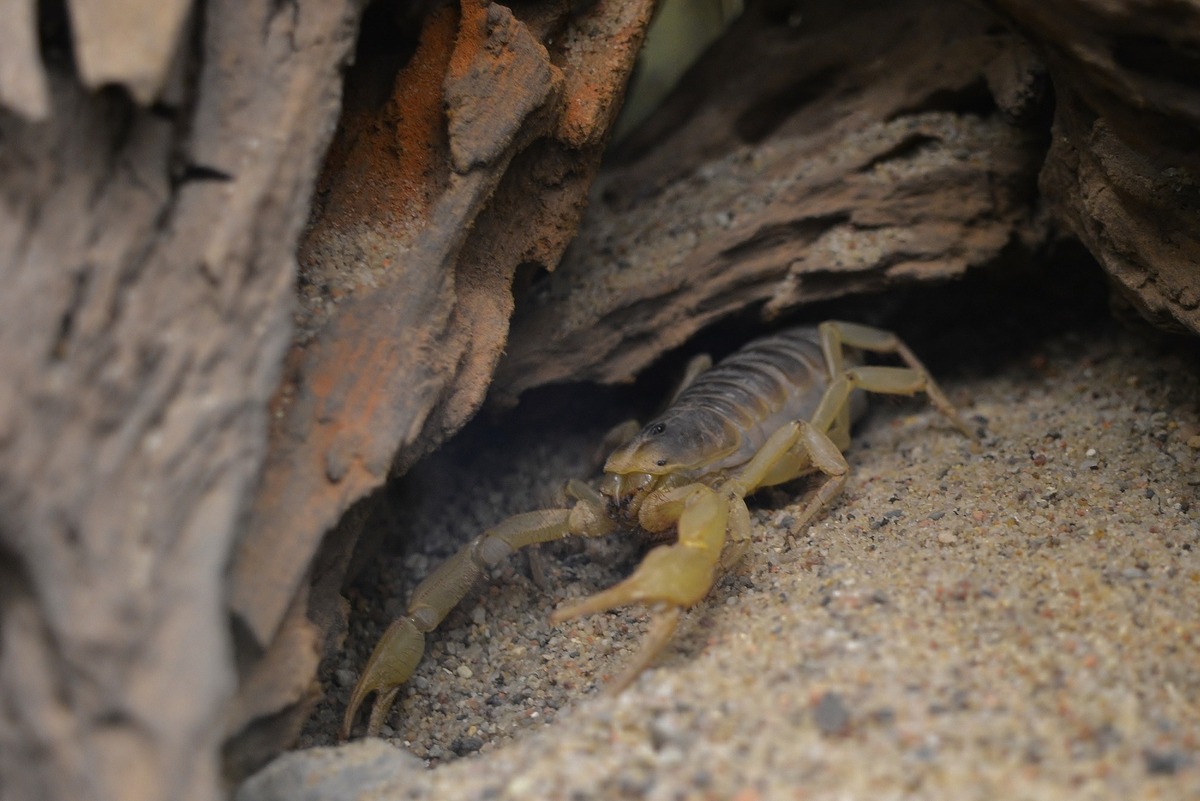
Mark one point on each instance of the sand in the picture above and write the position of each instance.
(1017, 618)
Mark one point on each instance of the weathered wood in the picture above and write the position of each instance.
(1123, 170)
(131, 43)
(22, 81)
(475, 158)
(147, 263)
(869, 146)
(812, 171)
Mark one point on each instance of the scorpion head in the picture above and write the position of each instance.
(666, 452)
(625, 493)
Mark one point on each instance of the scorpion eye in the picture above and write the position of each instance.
(661, 463)
(658, 428)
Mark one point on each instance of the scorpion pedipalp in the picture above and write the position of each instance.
(399, 650)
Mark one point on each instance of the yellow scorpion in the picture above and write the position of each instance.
(779, 408)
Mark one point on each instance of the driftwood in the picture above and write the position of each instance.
(813, 171)
(147, 259)
(862, 149)
(169, 467)
(1123, 169)
(422, 217)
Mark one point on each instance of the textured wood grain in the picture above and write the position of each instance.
(473, 158)
(130, 43)
(1123, 170)
(813, 171)
(806, 173)
(22, 79)
(147, 263)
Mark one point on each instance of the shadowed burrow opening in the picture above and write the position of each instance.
(1154, 57)
(971, 98)
(766, 116)
(387, 39)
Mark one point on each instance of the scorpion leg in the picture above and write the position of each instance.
(695, 366)
(832, 412)
(913, 378)
(399, 650)
(614, 438)
(796, 448)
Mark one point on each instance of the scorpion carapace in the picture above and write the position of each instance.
(776, 410)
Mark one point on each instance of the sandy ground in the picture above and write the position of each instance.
(1018, 619)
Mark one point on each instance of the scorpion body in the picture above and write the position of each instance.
(727, 412)
(780, 408)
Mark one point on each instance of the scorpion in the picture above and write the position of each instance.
(778, 409)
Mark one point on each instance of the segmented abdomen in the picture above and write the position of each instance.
(757, 389)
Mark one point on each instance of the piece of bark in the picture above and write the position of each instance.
(130, 43)
(147, 260)
(1123, 171)
(287, 691)
(871, 145)
(22, 81)
(1137, 211)
(474, 160)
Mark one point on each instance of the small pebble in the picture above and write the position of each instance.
(666, 731)
(465, 672)
(466, 745)
(521, 786)
(1164, 763)
(831, 715)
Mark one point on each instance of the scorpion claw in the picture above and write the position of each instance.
(391, 664)
(676, 575)
(659, 635)
(586, 606)
(673, 578)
